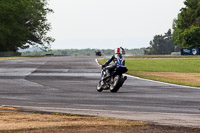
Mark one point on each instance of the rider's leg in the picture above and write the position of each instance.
(108, 72)
(110, 69)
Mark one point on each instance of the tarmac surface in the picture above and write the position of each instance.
(68, 85)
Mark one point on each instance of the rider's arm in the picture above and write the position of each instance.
(109, 61)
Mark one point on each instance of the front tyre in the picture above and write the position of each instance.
(116, 84)
(99, 87)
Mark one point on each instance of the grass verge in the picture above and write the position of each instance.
(17, 121)
(11, 57)
(182, 71)
(12, 121)
(165, 56)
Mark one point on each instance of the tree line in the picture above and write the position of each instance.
(161, 44)
(186, 31)
(81, 52)
(24, 23)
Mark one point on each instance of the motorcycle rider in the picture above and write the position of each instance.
(118, 60)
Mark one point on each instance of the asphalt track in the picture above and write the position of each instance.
(68, 85)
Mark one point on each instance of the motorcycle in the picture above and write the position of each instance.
(112, 82)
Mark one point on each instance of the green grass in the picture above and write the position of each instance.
(164, 65)
(102, 61)
(189, 65)
(165, 56)
(11, 57)
(179, 65)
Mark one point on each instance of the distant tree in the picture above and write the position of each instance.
(187, 25)
(161, 44)
(23, 23)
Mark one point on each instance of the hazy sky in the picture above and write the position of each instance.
(110, 23)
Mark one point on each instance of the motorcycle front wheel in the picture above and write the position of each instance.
(99, 87)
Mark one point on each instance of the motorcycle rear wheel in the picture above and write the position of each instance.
(116, 85)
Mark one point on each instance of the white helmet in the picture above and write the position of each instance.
(118, 51)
